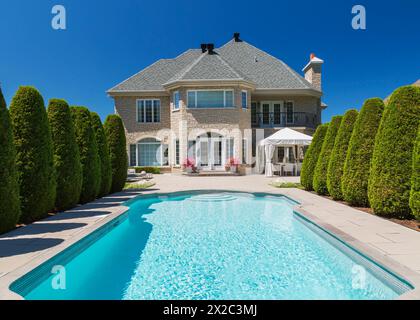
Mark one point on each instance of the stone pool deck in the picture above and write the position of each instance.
(390, 244)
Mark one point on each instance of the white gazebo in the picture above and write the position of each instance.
(292, 142)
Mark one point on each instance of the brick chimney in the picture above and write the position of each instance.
(313, 71)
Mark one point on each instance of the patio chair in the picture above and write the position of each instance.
(277, 168)
(298, 168)
(289, 168)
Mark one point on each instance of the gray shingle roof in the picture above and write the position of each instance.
(155, 75)
(233, 61)
(207, 67)
(264, 70)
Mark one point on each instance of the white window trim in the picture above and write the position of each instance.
(246, 99)
(224, 98)
(174, 107)
(144, 111)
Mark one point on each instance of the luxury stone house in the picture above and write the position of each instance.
(211, 104)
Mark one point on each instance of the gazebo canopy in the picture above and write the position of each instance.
(287, 137)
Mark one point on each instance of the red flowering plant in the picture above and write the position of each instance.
(234, 162)
(231, 163)
(189, 164)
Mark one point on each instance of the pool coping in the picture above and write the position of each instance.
(378, 257)
(375, 255)
(6, 280)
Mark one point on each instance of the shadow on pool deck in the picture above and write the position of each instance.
(42, 227)
(15, 247)
(39, 235)
(23, 240)
(77, 214)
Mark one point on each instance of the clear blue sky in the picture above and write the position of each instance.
(108, 41)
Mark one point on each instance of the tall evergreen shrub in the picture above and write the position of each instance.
(339, 153)
(88, 149)
(321, 169)
(114, 130)
(66, 155)
(415, 180)
(311, 157)
(103, 152)
(34, 154)
(9, 187)
(391, 168)
(354, 183)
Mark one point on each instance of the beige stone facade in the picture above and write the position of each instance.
(186, 124)
(276, 97)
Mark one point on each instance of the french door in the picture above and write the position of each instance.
(271, 112)
(212, 152)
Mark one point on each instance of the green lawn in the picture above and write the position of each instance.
(287, 185)
(138, 185)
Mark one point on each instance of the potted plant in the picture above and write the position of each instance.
(227, 166)
(233, 164)
(189, 165)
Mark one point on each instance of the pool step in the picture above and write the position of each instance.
(218, 197)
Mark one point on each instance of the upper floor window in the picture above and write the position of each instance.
(288, 106)
(210, 99)
(244, 99)
(176, 100)
(148, 110)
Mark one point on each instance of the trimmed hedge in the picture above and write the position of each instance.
(321, 169)
(339, 153)
(34, 154)
(154, 170)
(115, 133)
(9, 187)
(88, 149)
(354, 183)
(415, 180)
(103, 152)
(66, 155)
(391, 168)
(311, 157)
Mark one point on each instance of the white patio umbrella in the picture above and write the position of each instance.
(282, 138)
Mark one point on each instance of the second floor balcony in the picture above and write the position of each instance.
(283, 119)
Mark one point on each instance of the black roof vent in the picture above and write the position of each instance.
(210, 48)
(203, 47)
(236, 36)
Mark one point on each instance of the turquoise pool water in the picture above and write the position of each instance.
(211, 246)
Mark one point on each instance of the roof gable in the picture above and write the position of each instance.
(208, 67)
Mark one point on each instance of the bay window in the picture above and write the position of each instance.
(176, 100)
(244, 99)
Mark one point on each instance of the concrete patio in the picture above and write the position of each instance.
(390, 244)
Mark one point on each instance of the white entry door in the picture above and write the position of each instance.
(211, 153)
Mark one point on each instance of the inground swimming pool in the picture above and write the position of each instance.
(211, 245)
